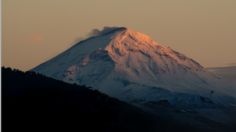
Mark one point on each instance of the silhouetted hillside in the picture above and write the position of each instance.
(32, 102)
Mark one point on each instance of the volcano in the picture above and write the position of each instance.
(133, 67)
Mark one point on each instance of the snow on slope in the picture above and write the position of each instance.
(132, 67)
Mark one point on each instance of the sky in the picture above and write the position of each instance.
(34, 31)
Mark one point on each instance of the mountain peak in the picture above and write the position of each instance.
(106, 30)
(123, 59)
(121, 32)
(136, 36)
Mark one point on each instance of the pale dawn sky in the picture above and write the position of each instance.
(36, 30)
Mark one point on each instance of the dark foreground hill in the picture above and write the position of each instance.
(34, 103)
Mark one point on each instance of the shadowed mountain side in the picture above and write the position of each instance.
(32, 102)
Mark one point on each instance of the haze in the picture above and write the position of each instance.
(36, 30)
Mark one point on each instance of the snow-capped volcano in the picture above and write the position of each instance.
(131, 66)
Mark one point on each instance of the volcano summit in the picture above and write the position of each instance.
(133, 67)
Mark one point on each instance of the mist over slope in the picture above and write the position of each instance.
(227, 72)
(228, 77)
